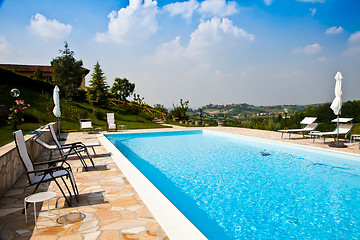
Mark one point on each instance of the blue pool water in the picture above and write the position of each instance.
(229, 190)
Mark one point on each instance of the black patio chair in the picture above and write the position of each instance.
(71, 149)
(38, 173)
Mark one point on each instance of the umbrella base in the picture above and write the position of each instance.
(337, 145)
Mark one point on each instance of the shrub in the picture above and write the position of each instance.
(99, 115)
(69, 111)
(16, 115)
(272, 125)
(30, 117)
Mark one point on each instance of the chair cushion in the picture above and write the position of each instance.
(86, 125)
(38, 178)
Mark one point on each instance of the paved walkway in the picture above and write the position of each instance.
(108, 204)
(109, 207)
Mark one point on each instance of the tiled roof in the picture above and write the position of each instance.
(31, 68)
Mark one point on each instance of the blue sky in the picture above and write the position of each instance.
(262, 52)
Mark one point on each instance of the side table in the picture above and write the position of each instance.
(40, 197)
(354, 137)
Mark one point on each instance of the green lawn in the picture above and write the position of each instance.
(39, 96)
(6, 135)
(41, 114)
(71, 125)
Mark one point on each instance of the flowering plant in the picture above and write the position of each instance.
(16, 113)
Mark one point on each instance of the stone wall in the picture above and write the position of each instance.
(11, 167)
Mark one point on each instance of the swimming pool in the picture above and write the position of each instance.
(228, 190)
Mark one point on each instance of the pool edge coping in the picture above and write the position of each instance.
(173, 222)
(286, 143)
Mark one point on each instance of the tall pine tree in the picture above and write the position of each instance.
(97, 93)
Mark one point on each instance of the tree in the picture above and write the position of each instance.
(38, 75)
(138, 107)
(97, 93)
(122, 89)
(161, 108)
(179, 112)
(67, 72)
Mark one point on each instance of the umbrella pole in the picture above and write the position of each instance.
(338, 129)
(59, 127)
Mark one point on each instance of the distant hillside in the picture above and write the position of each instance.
(244, 110)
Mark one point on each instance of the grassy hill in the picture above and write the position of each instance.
(39, 95)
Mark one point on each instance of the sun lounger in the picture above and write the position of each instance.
(85, 124)
(51, 148)
(69, 149)
(308, 128)
(111, 121)
(344, 129)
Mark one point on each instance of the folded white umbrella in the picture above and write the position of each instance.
(337, 102)
(56, 110)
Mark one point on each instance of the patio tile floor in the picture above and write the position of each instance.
(108, 204)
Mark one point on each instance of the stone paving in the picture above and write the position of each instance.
(108, 204)
(111, 207)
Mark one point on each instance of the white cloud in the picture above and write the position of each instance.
(308, 49)
(169, 51)
(268, 2)
(137, 22)
(322, 59)
(352, 51)
(218, 8)
(49, 29)
(185, 9)
(355, 37)
(334, 30)
(6, 49)
(210, 35)
(212, 31)
(354, 41)
(312, 11)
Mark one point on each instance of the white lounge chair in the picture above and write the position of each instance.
(85, 124)
(310, 126)
(344, 129)
(111, 125)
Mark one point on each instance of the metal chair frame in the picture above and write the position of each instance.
(38, 174)
(72, 149)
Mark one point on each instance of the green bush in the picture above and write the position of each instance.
(79, 95)
(70, 111)
(99, 115)
(272, 125)
(30, 117)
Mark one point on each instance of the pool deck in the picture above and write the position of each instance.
(111, 206)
